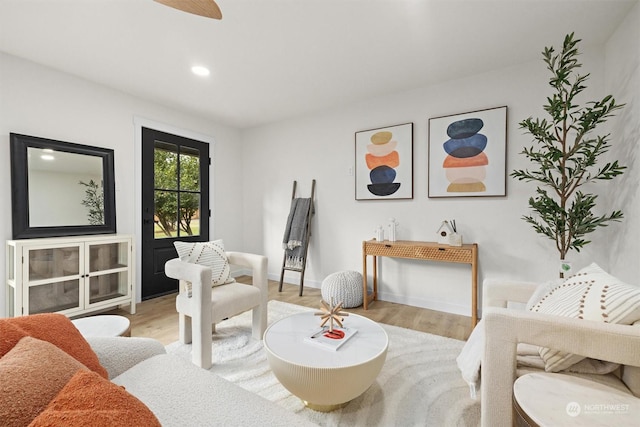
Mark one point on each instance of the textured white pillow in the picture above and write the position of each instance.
(591, 294)
(209, 254)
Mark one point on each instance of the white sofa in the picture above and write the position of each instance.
(505, 328)
(181, 394)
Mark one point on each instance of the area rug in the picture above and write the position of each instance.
(419, 385)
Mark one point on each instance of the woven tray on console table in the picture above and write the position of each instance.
(421, 250)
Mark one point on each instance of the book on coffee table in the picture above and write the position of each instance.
(332, 341)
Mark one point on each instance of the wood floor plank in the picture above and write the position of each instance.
(157, 318)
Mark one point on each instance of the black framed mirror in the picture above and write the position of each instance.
(61, 188)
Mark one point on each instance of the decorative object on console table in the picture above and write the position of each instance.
(393, 226)
(379, 233)
(384, 163)
(432, 251)
(444, 232)
(566, 160)
(464, 162)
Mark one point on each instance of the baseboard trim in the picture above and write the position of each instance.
(463, 310)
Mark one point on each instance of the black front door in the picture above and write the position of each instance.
(175, 203)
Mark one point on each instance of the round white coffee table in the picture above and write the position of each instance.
(103, 326)
(325, 379)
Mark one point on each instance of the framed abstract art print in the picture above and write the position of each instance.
(468, 154)
(384, 163)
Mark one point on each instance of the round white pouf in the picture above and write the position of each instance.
(344, 287)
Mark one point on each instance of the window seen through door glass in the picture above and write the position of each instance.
(177, 191)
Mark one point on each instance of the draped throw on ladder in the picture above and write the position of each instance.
(295, 234)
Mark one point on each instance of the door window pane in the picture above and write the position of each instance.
(166, 214)
(189, 169)
(165, 166)
(190, 214)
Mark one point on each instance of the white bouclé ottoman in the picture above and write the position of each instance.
(344, 287)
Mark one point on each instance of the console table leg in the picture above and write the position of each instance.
(374, 295)
(364, 280)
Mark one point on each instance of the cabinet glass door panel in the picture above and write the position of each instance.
(54, 297)
(11, 256)
(11, 295)
(108, 256)
(108, 286)
(51, 263)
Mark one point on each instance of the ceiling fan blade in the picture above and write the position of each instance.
(206, 8)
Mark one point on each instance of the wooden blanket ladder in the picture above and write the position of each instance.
(306, 246)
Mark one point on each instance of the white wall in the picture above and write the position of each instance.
(622, 78)
(40, 101)
(321, 146)
(254, 171)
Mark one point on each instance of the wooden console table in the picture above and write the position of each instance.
(429, 251)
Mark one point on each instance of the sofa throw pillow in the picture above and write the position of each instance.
(591, 294)
(209, 254)
(90, 400)
(54, 328)
(541, 291)
(32, 373)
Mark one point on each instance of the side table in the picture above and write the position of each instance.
(103, 326)
(546, 399)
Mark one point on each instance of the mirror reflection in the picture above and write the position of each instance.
(60, 188)
(79, 176)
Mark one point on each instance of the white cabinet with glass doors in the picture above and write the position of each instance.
(70, 275)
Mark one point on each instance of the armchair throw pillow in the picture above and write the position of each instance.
(209, 254)
(590, 294)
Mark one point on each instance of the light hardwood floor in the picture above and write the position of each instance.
(157, 318)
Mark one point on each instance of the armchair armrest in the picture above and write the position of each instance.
(258, 265)
(187, 271)
(497, 293)
(118, 354)
(505, 328)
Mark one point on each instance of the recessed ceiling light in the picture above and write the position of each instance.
(200, 71)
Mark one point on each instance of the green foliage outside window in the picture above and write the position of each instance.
(177, 198)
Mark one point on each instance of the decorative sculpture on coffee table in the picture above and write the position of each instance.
(331, 313)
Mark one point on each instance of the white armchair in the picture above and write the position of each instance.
(199, 312)
(505, 328)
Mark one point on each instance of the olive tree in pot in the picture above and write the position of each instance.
(565, 155)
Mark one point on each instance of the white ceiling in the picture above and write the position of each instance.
(275, 59)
